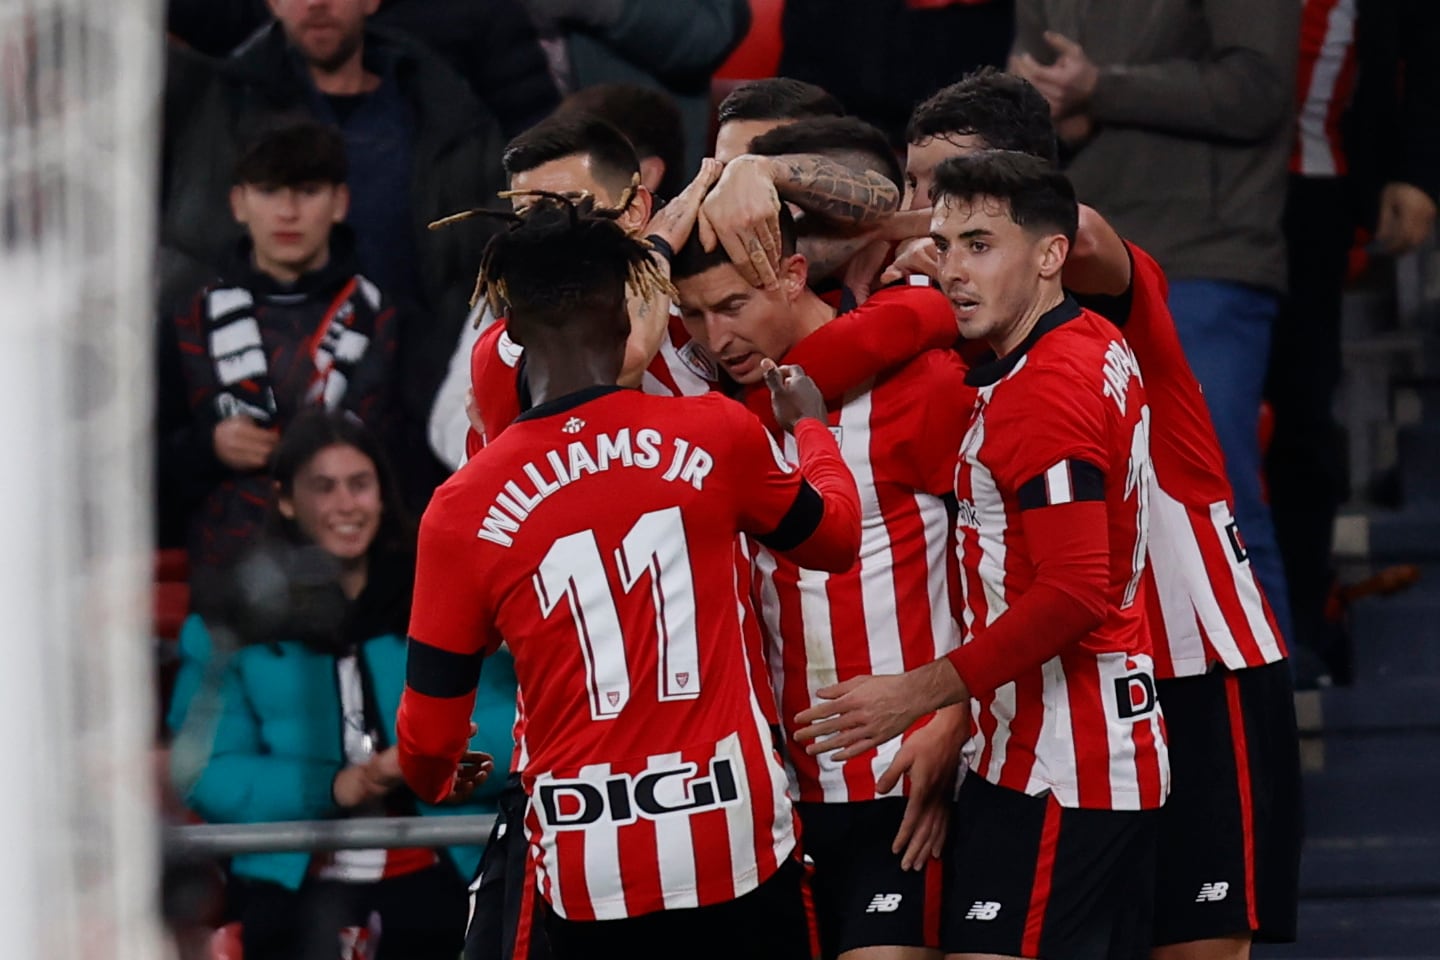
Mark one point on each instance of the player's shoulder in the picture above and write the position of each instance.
(494, 343)
(932, 369)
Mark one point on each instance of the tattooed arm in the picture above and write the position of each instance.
(742, 212)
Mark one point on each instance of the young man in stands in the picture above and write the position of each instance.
(872, 844)
(1056, 824)
(292, 324)
(1220, 662)
(658, 812)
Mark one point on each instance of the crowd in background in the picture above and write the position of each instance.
(314, 331)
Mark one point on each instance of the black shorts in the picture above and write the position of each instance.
(1228, 860)
(1026, 877)
(770, 922)
(862, 897)
(507, 921)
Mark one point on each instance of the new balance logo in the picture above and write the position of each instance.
(1212, 892)
(885, 903)
(983, 910)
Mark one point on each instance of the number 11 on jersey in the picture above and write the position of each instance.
(574, 569)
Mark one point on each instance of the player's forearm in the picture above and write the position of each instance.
(834, 543)
(649, 321)
(1068, 600)
(432, 733)
(844, 193)
(1099, 263)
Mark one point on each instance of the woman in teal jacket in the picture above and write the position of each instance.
(297, 720)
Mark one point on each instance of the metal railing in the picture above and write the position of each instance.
(360, 833)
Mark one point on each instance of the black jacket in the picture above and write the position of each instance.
(202, 502)
(212, 107)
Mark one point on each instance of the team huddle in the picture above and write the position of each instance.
(871, 576)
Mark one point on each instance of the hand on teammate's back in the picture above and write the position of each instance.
(918, 256)
(793, 395)
(243, 445)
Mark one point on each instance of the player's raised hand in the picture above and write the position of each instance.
(475, 768)
(742, 214)
(243, 445)
(674, 223)
(793, 396)
(914, 256)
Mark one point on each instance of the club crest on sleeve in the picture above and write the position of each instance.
(698, 362)
(509, 350)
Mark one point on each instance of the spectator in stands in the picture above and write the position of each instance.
(757, 107)
(1177, 117)
(419, 147)
(671, 46)
(650, 119)
(1390, 159)
(905, 50)
(493, 45)
(286, 701)
(292, 324)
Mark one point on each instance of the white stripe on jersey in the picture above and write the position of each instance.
(935, 518)
(1055, 747)
(1243, 575)
(603, 868)
(1187, 600)
(1057, 485)
(1119, 733)
(673, 843)
(1317, 152)
(994, 524)
(877, 582)
(1003, 710)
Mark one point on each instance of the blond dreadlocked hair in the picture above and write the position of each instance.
(555, 220)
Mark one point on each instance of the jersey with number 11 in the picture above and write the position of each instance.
(597, 536)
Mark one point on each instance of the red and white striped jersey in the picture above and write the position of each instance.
(1325, 84)
(652, 773)
(892, 612)
(1085, 724)
(1205, 605)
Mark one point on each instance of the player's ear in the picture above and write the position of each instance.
(794, 276)
(638, 213)
(284, 503)
(237, 204)
(1053, 249)
(342, 203)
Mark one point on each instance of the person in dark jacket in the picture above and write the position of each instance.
(493, 45)
(292, 324)
(285, 709)
(419, 148)
(665, 44)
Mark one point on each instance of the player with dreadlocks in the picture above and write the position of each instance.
(597, 535)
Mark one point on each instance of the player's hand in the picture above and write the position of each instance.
(474, 769)
(858, 715)
(742, 214)
(674, 223)
(919, 255)
(793, 396)
(1407, 215)
(243, 445)
(930, 759)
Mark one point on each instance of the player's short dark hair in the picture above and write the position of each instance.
(1003, 110)
(565, 263)
(1040, 197)
(693, 259)
(572, 133)
(291, 154)
(778, 98)
(833, 137)
(650, 119)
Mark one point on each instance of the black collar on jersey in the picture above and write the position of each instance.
(990, 370)
(568, 402)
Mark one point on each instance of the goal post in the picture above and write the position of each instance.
(79, 108)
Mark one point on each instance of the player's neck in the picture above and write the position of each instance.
(1047, 297)
(552, 374)
(811, 313)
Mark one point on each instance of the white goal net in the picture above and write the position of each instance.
(79, 88)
